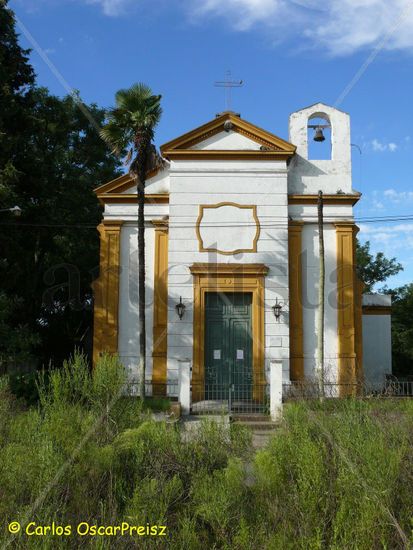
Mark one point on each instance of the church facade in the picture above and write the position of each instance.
(232, 262)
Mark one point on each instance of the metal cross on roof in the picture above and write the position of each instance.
(228, 84)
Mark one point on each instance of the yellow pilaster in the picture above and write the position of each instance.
(296, 308)
(347, 292)
(106, 290)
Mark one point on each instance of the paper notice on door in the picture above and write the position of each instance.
(217, 354)
(240, 354)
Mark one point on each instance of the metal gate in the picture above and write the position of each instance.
(230, 385)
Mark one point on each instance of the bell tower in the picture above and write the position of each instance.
(332, 175)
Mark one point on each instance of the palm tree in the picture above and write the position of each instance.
(130, 129)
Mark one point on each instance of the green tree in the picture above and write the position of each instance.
(374, 269)
(131, 125)
(51, 159)
(16, 85)
(16, 341)
(402, 329)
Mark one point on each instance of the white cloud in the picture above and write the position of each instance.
(378, 146)
(390, 239)
(112, 7)
(398, 196)
(242, 14)
(378, 204)
(339, 26)
(373, 229)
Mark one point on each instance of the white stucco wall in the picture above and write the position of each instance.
(310, 277)
(157, 184)
(263, 183)
(128, 341)
(377, 359)
(376, 349)
(227, 141)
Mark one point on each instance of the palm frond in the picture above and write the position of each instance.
(136, 114)
(115, 137)
(127, 98)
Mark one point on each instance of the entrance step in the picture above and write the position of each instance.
(256, 422)
(257, 417)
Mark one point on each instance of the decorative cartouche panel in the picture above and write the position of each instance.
(227, 228)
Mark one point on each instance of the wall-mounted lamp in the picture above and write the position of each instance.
(180, 308)
(277, 309)
(15, 210)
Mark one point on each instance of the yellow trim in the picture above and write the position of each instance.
(160, 308)
(210, 154)
(228, 278)
(203, 207)
(238, 270)
(128, 198)
(376, 310)
(122, 183)
(106, 290)
(180, 147)
(114, 185)
(327, 199)
(349, 369)
(296, 293)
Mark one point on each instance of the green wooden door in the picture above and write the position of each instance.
(228, 346)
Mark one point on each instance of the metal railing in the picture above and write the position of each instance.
(168, 389)
(235, 397)
(313, 390)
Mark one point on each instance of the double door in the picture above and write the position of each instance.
(228, 346)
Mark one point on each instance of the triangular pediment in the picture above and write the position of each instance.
(228, 137)
(123, 188)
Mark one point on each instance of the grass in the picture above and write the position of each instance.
(336, 475)
(157, 404)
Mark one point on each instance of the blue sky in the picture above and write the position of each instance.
(289, 54)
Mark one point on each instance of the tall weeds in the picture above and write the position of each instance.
(334, 476)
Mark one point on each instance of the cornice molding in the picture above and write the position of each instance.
(210, 154)
(233, 269)
(160, 224)
(128, 198)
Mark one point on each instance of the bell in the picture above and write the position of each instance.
(319, 136)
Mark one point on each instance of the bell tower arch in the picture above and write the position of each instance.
(332, 175)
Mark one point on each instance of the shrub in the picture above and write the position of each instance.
(335, 475)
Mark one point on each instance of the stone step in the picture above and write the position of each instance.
(258, 426)
(257, 417)
(260, 438)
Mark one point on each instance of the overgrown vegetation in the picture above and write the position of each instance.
(336, 475)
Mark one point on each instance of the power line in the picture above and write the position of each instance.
(282, 223)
